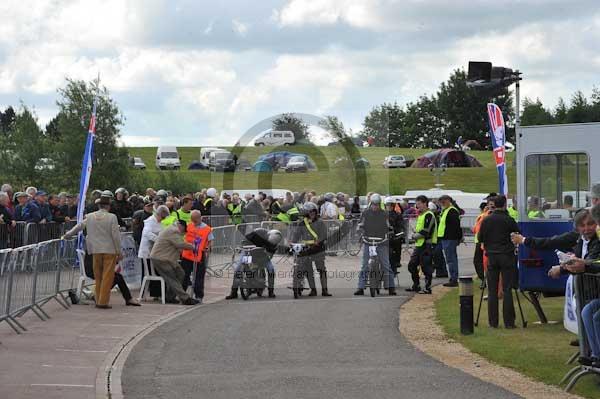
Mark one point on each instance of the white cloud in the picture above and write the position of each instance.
(356, 13)
(239, 27)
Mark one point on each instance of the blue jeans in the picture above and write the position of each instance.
(590, 315)
(383, 254)
(449, 247)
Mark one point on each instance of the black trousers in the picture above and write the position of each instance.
(478, 262)
(501, 265)
(421, 256)
(439, 262)
(188, 268)
(395, 256)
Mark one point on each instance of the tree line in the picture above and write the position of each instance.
(51, 157)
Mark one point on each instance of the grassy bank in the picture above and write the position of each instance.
(538, 351)
(327, 177)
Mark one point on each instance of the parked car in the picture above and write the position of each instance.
(397, 161)
(205, 154)
(297, 164)
(137, 163)
(197, 165)
(221, 161)
(276, 138)
(167, 157)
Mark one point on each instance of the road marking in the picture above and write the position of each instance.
(79, 350)
(62, 385)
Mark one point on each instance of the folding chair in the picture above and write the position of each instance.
(150, 275)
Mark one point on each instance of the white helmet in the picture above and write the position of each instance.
(211, 192)
(389, 201)
(375, 199)
(274, 237)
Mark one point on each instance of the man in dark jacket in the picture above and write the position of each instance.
(312, 232)
(450, 234)
(374, 223)
(137, 221)
(121, 205)
(495, 236)
(55, 210)
(397, 229)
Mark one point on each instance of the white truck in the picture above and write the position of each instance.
(167, 157)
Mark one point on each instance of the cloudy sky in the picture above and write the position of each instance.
(195, 72)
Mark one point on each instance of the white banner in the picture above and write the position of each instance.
(131, 265)
(570, 312)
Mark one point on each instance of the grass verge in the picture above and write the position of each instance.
(538, 351)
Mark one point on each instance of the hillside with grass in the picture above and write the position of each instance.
(327, 176)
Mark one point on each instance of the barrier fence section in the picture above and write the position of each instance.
(587, 293)
(31, 276)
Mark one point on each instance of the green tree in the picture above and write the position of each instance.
(384, 124)
(423, 124)
(7, 120)
(23, 149)
(579, 110)
(534, 113)
(291, 123)
(560, 112)
(464, 110)
(110, 168)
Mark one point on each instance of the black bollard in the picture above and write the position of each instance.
(465, 286)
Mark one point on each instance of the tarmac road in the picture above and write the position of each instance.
(339, 347)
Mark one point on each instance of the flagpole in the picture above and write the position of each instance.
(87, 163)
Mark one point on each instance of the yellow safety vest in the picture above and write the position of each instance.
(513, 213)
(236, 213)
(311, 231)
(535, 214)
(442, 227)
(206, 201)
(340, 216)
(421, 225)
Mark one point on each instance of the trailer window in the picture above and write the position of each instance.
(556, 185)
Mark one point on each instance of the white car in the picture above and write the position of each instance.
(395, 161)
(138, 163)
(297, 164)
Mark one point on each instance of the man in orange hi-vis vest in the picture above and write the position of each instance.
(479, 260)
(200, 234)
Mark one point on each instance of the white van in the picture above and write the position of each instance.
(167, 157)
(205, 154)
(276, 138)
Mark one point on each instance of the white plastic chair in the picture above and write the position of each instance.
(151, 277)
(83, 278)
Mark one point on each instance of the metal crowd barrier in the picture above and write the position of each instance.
(587, 289)
(31, 276)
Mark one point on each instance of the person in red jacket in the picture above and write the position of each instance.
(200, 234)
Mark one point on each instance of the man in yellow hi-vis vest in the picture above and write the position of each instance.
(425, 236)
(450, 234)
(312, 232)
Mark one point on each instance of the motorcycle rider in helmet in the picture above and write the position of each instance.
(397, 237)
(312, 232)
(121, 205)
(269, 240)
(374, 222)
